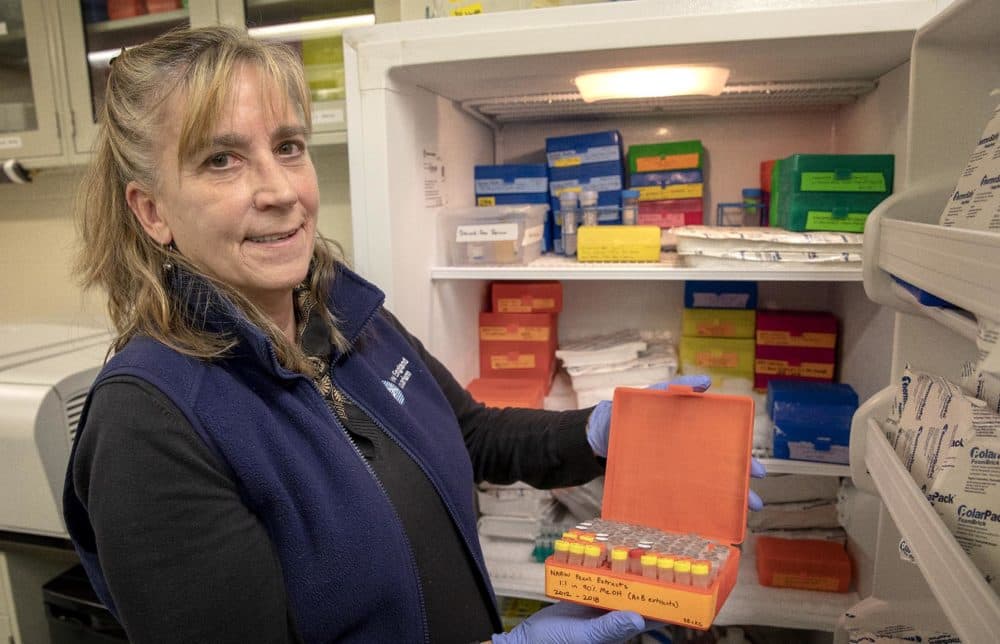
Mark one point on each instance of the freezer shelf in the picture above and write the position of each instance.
(514, 575)
(786, 466)
(555, 267)
(971, 606)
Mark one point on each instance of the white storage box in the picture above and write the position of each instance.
(492, 234)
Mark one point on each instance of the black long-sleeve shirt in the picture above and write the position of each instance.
(202, 567)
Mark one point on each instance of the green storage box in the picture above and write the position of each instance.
(669, 155)
(830, 191)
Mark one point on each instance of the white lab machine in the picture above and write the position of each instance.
(45, 373)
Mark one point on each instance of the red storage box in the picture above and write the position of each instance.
(526, 297)
(661, 442)
(517, 345)
(796, 329)
(669, 213)
(508, 392)
(807, 564)
(792, 363)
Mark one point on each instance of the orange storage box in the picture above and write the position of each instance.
(678, 461)
(808, 564)
(508, 392)
(526, 297)
(517, 345)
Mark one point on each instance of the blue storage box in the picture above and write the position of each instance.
(797, 443)
(582, 149)
(923, 296)
(810, 394)
(511, 184)
(720, 295)
(603, 178)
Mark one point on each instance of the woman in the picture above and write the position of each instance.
(242, 473)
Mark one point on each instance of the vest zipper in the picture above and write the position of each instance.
(339, 413)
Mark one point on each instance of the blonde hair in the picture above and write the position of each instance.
(116, 252)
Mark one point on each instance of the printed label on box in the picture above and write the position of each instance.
(783, 368)
(669, 162)
(830, 182)
(524, 304)
(659, 601)
(468, 10)
(514, 332)
(675, 191)
(486, 201)
(852, 222)
(513, 361)
(717, 359)
(517, 186)
(570, 158)
(787, 580)
(597, 184)
(786, 339)
(479, 233)
(533, 235)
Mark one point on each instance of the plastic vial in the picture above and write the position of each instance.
(619, 560)
(592, 555)
(576, 553)
(665, 568)
(630, 207)
(700, 570)
(635, 560)
(682, 571)
(588, 204)
(753, 204)
(648, 562)
(567, 207)
(560, 550)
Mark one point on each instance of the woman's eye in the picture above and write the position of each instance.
(220, 160)
(290, 148)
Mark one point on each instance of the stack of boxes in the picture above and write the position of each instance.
(718, 332)
(517, 342)
(795, 345)
(585, 162)
(514, 184)
(833, 192)
(670, 180)
(812, 420)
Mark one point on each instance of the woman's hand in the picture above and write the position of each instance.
(566, 623)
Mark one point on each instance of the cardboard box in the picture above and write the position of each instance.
(582, 149)
(684, 498)
(807, 564)
(669, 155)
(618, 244)
(670, 213)
(792, 363)
(718, 323)
(717, 357)
(806, 329)
(526, 297)
(720, 295)
(518, 345)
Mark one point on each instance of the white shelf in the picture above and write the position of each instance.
(749, 603)
(555, 267)
(785, 466)
(969, 603)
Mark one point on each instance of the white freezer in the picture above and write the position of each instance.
(490, 88)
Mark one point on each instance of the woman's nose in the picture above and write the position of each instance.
(275, 188)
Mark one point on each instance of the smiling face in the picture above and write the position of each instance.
(243, 208)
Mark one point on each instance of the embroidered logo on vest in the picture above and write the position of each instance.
(395, 391)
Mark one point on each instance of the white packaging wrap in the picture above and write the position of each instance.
(975, 202)
(875, 621)
(982, 379)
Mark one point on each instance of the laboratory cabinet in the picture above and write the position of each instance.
(428, 100)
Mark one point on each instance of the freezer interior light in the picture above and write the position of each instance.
(647, 82)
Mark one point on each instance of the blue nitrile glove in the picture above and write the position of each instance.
(566, 623)
(599, 424)
(599, 429)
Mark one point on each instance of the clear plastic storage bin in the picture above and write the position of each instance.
(492, 234)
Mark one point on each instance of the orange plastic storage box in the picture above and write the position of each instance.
(508, 392)
(808, 564)
(526, 297)
(678, 462)
(517, 345)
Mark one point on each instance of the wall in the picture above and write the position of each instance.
(37, 241)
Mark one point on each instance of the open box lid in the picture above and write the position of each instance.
(679, 461)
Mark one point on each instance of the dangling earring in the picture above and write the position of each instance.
(167, 264)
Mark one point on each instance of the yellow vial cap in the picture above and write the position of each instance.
(571, 534)
(665, 561)
(560, 545)
(576, 548)
(700, 568)
(592, 551)
(648, 560)
(619, 554)
(586, 536)
(682, 565)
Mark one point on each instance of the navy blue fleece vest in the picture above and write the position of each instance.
(348, 568)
